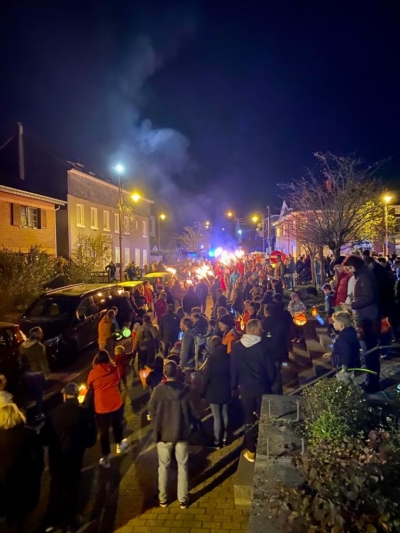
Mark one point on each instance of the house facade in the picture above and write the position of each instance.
(27, 219)
(92, 209)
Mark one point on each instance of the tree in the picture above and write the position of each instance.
(193, 239)
(90, 253)
(337, 203)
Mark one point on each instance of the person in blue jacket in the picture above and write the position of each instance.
(346, 350)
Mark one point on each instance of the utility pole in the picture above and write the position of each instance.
(269, 229)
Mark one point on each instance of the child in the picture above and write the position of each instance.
(346, 350)
(327, 290)
(121, 359)
(295, 307)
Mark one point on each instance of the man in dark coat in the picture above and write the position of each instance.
(171, 412)
(169, 329)
(66, 433)
(253, 372)
(222, 301)
(275, 337)
(202, 293)
(189, 301)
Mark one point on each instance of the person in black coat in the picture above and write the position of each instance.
(169, 329)
(253, 372)
(221, 301)
(346, 350)
(202, 293)
(67, 433)
(189, 301)
(216, 284)
(170, 296)
(21, 467)
(275, 337)
(216, 389)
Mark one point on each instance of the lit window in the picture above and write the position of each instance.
(144, 226)
(127, 256)
(126, 225)
(80, 216)
(106, 220)
(29, 217)
(116, 222)
(93, 218)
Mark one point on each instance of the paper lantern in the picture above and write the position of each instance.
(143, 373)
(126, 332)
(82, 393)
(300, 319)
(385, 325)
(314, 311)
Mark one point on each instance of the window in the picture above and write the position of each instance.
(144, 226)
(93, 218)
(126, 225)
(117, 255)
(137, 256)
(80, 216)
(106, 220)
(145, 257)
(127, 256)
(116, 222)
(85, 309)
(29, 217)
(136, 225)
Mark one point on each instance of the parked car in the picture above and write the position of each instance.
(69, 317)
(11, 337)
(152, 277)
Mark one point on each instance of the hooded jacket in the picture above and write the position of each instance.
(365, 295)
(251, 368)
(33, 357)
(171, 412)
(187, 353)
(216, 386)
(346, 350)
(341, 289)
(104, 378)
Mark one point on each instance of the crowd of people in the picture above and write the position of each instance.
(200, 343)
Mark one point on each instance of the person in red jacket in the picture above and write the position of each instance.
(104, 379)
(160, 307)
(342, 280)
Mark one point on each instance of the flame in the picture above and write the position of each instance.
(172, 270)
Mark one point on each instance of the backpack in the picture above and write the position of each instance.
(146, 340)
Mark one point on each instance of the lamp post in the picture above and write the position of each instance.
(135, 197)
(260, 216)
(387, 199)
(161, 216)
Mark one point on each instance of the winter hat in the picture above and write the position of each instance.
(339, 260)
(226, 319)
(71, 389)
(176, 350)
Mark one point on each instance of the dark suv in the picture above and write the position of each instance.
(69, 317)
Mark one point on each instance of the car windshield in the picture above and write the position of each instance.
(52, 308)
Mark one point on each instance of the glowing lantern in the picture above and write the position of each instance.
(143, 374)
(314, 311)
(82, 393)
(300, 319)
(126, 332)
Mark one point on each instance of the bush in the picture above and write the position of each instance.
(334, 410)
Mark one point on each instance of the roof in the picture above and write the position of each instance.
(130, 284)
(79, 289)
(26, 194)
(156, 275)
(7, 325)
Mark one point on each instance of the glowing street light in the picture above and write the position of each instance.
(255, 218)
(161, 216)
(135, 197)
(119, 168)
(229, 214)
(387, 199)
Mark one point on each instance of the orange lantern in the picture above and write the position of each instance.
(300, 319)
(143, 374)
(82, 393)
(314, 311)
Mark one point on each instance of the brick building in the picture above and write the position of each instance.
(27, 219)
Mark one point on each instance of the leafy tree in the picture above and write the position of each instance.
(90, 253)
(193, 238)
(337, 203)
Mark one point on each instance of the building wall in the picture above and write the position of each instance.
(93, 198)
(18, 238)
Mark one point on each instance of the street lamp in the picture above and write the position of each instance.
(161, 216)
(260, 217)
(387, 199)
(229, 214)
(135, 197)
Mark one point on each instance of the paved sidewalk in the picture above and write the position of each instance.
(133, 507)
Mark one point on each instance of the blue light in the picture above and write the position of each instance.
(211, 253)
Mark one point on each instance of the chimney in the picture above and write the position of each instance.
(21, 157)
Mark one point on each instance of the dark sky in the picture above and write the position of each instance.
(211, 102)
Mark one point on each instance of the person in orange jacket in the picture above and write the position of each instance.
(228, 332)
(106, 330)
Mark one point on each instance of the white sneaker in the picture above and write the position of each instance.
(104, 462)
(122, 447)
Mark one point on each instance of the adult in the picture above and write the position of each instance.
(126, 313)
(221, 301)
(188, 347)
(342, 281)
(215, 285)
(177, 293)
(112, 270)
(202, 293)
(247, 288)
(290, 272)
(148, 295)
(147, 342)
(386, 288)
(275, 336)
(21, 467)
(229, 337)
(238, 300)
(171, 413)
(67, 433)
(190, 300)
(106, 329)
(170, 296)
(104, 378)
(216, 389)
(161, 306)
(35, 367)
(253, 373)
(365, 306)
(169, 329)
(279, 268)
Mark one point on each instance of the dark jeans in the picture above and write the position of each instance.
(252, 409)
(105, 421)
(220, 415)
(35, 383)
(371, 330)
(64, 490)
(146, 358)
(168, 345)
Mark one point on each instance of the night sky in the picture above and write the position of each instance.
(213, 102)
